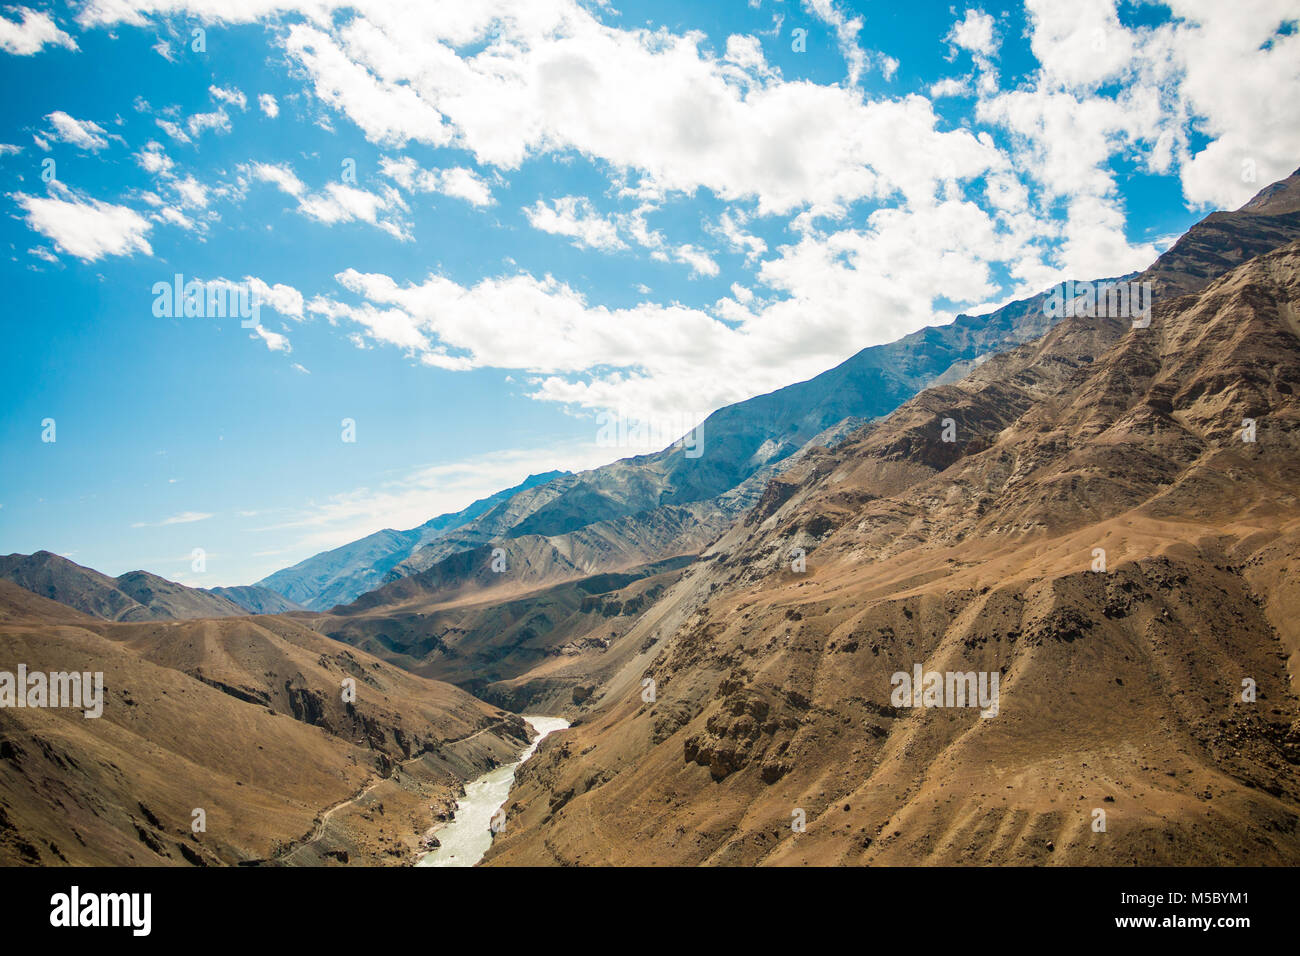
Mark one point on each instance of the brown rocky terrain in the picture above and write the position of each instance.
(1120, 690)
(243, 718)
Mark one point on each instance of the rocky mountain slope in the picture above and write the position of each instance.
(257, 600)
(1122, 682)
(134, 596)
(517, 621)
(1224, 240)
(242, 719)
(340, 575)
(541, 651)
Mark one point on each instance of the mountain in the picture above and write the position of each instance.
(744, 445)
(539, 651)
(1223, 240)
(670, 489)
(256, 600)
(167, 599)
(242, 719)
(134, 596)
(653, 507)
(1124, 686)
(520, 626)
(530, 636)
(340, 575)
(740, 440)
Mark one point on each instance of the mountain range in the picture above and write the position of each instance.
(1097, 517)
(650, 507)
(653, 507)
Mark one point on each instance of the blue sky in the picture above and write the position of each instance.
(472, 228)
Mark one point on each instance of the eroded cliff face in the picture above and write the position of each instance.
(1121, 690)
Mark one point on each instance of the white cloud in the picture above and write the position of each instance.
(153, 160)
(80, 133)
(172, 129)
(218, 120)
(280, 175)
(746, 52)
(85, 227)
(1104, 90)
(555, 79)
(338, 202)
(701, 262)
(950, 86)
(274, 340)
(730, 226)
(1216, 68)
(232, 96)
(974, 33)
(846, 33)
(509, 82)
(268, 105)
(786, 144)
(456, 181)
(467, 185)
(191, 192)
(284, 299)
(173, 216)
(31, 32)
(827, 296)
(185, 517)
(576, 218)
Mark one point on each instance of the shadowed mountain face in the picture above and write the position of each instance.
(256, 600)
(1113, 534)
(541, 651)
(134, 596)
(242, 719)
(340, 575)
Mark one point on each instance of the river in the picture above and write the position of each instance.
(468, 837)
